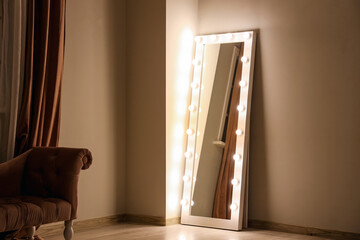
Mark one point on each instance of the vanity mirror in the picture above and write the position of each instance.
(216, 169)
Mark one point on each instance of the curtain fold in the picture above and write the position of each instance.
(39, 117)
(12, 39)
(223, 193)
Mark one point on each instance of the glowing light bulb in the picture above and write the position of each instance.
(241, 108)
(233, 207)
(186, 178)
(198, 39)
(239, 132)
(184, 202)
(188, 154)
(189, 132)
(236, 157)
(194, 85)
(192, 203)
(244, 59)
(243, 83)
(247, 35)
(196, 62)
(213, 38)
(235, 182)
(192, 108)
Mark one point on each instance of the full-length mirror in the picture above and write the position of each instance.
(216, 173)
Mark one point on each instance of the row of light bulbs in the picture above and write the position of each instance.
(192, 108)
(223, 37)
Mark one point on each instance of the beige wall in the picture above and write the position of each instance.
(181, 26)
(145, 111)
(93, 101)
(306, 107)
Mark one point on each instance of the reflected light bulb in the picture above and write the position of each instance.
(184, 202)
(192, 203)
(236, 157)
(235, 182)
(192, 108)
(188, 154)
(194, 85)
(241, 108)
(239, 132)
(233, 206)
(244, 59)
(189, 132)
(186, 178)
(243, 83)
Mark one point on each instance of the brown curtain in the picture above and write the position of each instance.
(223, 193)
(39, 116)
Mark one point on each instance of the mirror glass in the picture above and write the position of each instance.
(216, 126)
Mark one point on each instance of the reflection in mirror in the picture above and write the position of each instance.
(216, 166)
(217, 123)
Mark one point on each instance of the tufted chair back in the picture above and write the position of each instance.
(54, 173)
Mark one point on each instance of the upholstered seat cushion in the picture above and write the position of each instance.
(16, 212)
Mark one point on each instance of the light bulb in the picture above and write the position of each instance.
(213, 38)
(198, 133)
(244, 59)
(239, 132)
(196, 62)
(243, 83)
(189, 132)
(241, 108)
(233, 206)
(228, 36)
(192, 203)
(236, 157)
(194, 85)
(247, 35)
(184, 202)
(194, 179)
(235, 182)
(192, 108)
(198, 39)
(186, 178)
(188, 154)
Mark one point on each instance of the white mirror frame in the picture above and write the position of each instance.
(242, 141)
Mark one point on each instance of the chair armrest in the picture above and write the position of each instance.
(54, 172)
(11, 175)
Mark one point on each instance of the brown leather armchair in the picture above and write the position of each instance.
(41, 186)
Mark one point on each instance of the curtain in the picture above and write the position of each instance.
(12, 45)
(39, 117)
(223, 193)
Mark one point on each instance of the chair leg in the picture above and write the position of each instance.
(30, 232)
(69, 231)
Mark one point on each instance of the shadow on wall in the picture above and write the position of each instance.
(258, 186)
(116, 42)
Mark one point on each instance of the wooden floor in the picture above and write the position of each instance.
(178, 232)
